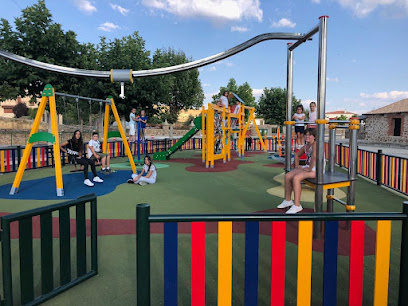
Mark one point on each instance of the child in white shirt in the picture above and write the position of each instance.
(299, 118)
(150, 171)
(95, 153)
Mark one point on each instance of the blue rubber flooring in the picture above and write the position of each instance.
(45, 188)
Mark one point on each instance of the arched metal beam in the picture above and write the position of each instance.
(159, 71)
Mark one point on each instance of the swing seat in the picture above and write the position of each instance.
(331, 180)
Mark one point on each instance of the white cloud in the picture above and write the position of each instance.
(108, 27)
(257, 92)
(335, 80)
(206, 85)
(239, 29)
(212, 68)
(315, 1)
(120, 9)
(227, 10)
(225, 62)
(85, 6)
(362, 8)
(283, 23)
(392, 95)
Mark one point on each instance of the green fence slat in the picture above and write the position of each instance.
(25, 227)
(94, 236)
(81, 239)
(6, 263)
(65, 246)
(47, 264)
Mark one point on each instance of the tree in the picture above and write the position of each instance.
(272, 105)
(177, 91)
(342, 117)
(20, 110)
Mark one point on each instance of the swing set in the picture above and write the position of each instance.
(48, 96)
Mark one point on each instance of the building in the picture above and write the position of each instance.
(388, 124)
(338, 113)
(6, 107)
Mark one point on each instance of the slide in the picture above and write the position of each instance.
(163, 155)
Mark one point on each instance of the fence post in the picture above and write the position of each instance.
(403, 292)
(6, 262)
(340, 154)
(143, 254)
(18, 155)
(379, 167)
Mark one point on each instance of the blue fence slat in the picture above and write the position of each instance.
(170, 264)
(251, 262)
(330, 263)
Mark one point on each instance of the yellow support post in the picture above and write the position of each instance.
(122, 134)
(203, 140)
(56, 146)
(105, 129)
(251, 117)
(27, 150)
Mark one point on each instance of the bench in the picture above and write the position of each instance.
(331, 180)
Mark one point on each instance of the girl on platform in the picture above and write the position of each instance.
(150, 171)
(294, 178)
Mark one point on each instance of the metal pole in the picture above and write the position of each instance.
(379, 167)
(332, 160)
(289, 98)
(6, 263)
(305, 37)
(143, 254)
(352, 170)
(403, 281)
(321, 105)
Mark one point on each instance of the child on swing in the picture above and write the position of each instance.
(95, 153)
(294, 178)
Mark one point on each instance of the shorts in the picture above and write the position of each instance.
(101, 155)
(307, 166)
(299, 129)
(132, 130)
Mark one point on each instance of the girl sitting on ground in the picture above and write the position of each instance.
(150, 171)
(294, 178)
(74, 147)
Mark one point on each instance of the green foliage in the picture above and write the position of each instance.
(35, 35)
(272, 105)
(342, 117)
(243, 91)
(20, 110)
(32, 112)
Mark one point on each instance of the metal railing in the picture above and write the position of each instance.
(252, 233)
(48, 230)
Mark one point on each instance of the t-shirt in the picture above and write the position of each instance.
(235, 108)
(224, 101)
(299, 122)
(142, 124)
(152, 168)
(313, 117)
(132, 116)
(96, 146)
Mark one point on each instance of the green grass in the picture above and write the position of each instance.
(178, 191)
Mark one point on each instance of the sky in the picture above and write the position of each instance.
(367, 44)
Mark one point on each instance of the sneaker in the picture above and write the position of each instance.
(285, 204)
(141, 183)
(97, 179)
(87, 182)
(294, 209)
(130, 181)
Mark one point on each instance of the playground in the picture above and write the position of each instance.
(247, 185)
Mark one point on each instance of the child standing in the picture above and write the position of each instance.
(312, 115)
(299, 118)
(132, 125)
(150, 171)
(95, 153)
(143, 120)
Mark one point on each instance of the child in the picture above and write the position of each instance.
(150, 177)
(143, 120)
(95, 153)
(74, 147)
(299, 117)
(132, 125)
(294, 178)
(312, 115)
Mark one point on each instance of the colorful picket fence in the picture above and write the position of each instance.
(278, 259)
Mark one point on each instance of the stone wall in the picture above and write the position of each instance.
(380, 128)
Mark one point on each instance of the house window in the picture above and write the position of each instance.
(397, 126)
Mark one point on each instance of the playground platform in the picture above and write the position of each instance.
(185, 186)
